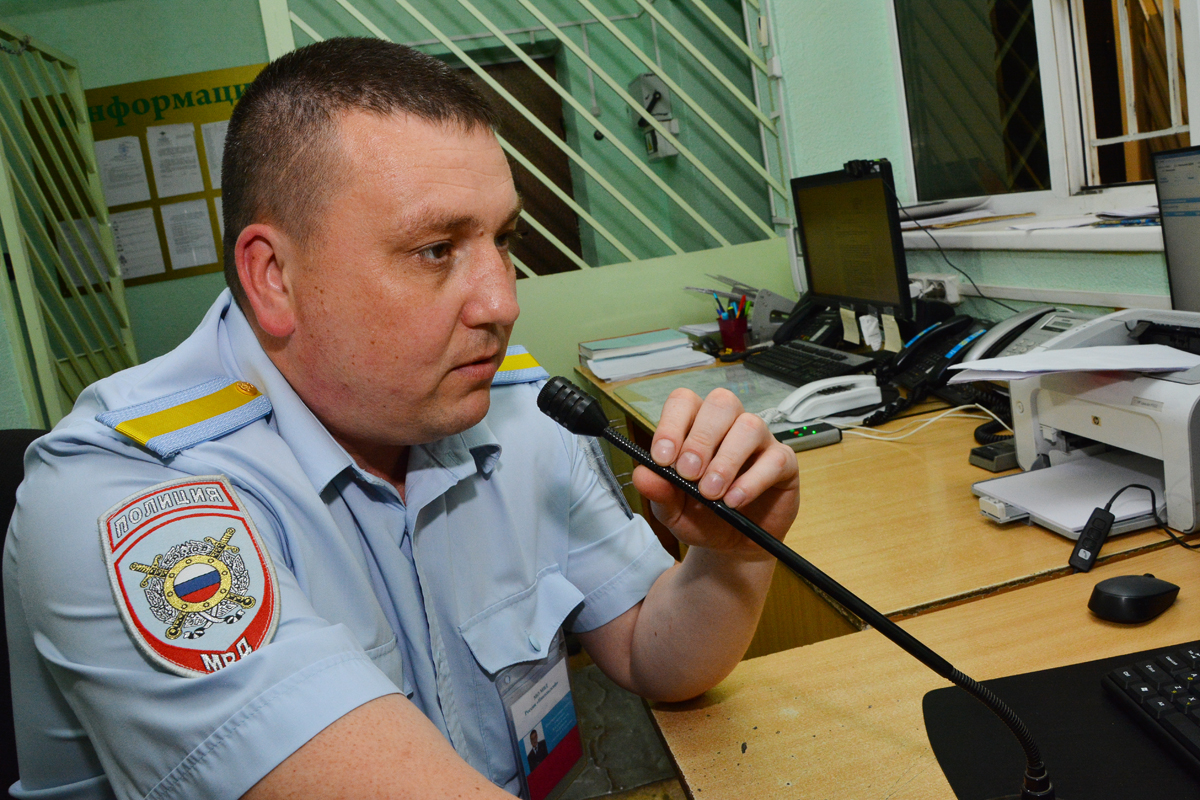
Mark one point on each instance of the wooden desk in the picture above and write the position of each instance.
(896, 522)
(842, 718)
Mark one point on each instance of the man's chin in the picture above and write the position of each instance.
(474, 407)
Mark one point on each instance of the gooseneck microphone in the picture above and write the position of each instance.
(578, 412)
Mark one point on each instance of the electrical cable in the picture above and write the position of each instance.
(946, 258)
(989, 432)
(1153, 510)
(858, 430)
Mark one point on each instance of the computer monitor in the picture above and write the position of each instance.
(1177, 177)
(849, 231)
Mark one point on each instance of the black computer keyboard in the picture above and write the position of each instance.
(797, 362)
(1162, 692)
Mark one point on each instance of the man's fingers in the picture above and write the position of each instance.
(677, 415)
(774, 467)
(745, 439)
(712, 423)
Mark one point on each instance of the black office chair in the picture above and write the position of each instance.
(13, 444)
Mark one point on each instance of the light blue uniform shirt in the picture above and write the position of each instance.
(507, 534)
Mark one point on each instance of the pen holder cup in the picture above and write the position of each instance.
(733, 333)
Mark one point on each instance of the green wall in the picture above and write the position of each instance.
(557, 311)
(13, 411)
(842, 102)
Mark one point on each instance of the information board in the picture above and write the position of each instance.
(158, 151)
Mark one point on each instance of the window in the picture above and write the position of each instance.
(1010, 96)
(974, 96)
(1131, 84)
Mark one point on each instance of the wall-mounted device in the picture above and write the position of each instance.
(656, 100)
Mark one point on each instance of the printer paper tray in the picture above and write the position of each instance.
(1061, 498)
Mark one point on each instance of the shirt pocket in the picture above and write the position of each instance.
(389, 661)
(521, 627)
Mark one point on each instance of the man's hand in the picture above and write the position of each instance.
(699, 616)
(731, 455)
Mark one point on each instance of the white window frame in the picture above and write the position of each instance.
(1065, 148)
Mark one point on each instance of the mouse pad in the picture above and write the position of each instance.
(1092, 749)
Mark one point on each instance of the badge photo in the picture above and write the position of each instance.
(195, 585)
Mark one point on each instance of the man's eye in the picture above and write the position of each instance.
(508, 239)
(436, 252)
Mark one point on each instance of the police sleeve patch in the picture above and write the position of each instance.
(194, 583)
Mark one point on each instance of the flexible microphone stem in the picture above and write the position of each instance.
(580, 413)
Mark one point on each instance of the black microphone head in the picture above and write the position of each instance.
(571, 407)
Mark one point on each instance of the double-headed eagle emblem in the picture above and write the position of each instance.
(196, 585)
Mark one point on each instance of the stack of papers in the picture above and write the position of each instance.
(1130, 213)
(621, 346)
(641, 354)
(619, 369)
(1130, 358)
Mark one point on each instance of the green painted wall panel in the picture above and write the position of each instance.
(13, 411)
(558, 311)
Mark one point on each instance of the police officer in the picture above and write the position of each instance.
(331, 517)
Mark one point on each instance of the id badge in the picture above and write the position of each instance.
(542, 724)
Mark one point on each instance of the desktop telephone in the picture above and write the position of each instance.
(923, 366)
(828, 398)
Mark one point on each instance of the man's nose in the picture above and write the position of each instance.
(494, 291)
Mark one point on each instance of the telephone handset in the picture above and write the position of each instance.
(1005, 332)
(909, 366)
(810, 322)
(827, 397)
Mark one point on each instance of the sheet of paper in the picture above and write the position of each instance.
(871, 332)
(1055, 224)
(849, 325)
(122, 171)
(1130, 213)
(619, 369)
(893, 342)
(1132, 358)
(701, 328)
(220, 214)
(189, 234)
(70, 235)
(1066, 494)
(932, 222)
(214, 148)
(138, 250)
(175, 160)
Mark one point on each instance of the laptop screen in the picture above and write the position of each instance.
(1177, 176)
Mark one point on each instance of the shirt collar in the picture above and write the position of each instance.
(318, 453)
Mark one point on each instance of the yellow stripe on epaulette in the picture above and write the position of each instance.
(519, 367)
(184, 419)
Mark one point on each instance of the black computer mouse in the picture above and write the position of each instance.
(1132, 598)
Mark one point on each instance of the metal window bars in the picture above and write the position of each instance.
(1150, 65)
(748, 200)
(68, 289)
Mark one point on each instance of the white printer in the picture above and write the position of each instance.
(1082, 436)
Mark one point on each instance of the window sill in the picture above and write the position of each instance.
(1047, 206)
(997, 236)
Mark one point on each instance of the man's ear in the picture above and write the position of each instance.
(262, 254)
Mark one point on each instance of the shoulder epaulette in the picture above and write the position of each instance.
(185, 419)
(519, 367)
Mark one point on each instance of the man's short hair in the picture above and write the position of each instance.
(282, 153)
